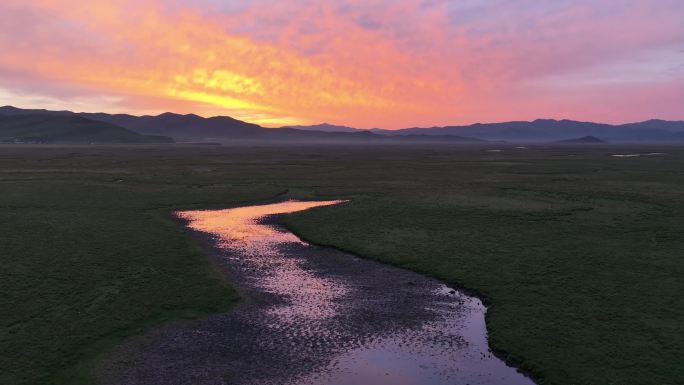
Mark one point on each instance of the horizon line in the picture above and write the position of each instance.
(342, 125)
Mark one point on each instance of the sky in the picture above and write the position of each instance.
(362, 63)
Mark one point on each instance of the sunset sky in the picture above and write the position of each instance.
(365, 63)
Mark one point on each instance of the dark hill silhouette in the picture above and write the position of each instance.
(190, 127)
(325, 127)
(226, 129)
(583, 140)
(42, 128)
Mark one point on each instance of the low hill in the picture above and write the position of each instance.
(326, 127)
(42, 128)
(583, 140)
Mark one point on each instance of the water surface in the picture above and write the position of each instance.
(313, 315)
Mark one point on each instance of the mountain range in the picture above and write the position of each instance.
(55, 126)
(550, 130)
(223, 129)
(543, 130)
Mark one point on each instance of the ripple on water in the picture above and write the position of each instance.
(314, 316)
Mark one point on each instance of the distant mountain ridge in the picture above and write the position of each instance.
(190, 127)
(544, 130)
(549, 130)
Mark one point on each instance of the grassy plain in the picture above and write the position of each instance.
(578, 254)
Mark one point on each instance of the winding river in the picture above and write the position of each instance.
(312, 315)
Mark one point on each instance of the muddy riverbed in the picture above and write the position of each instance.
(312, 315)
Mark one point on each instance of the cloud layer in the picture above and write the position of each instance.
(364, 63)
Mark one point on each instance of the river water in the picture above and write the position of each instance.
(312, 315)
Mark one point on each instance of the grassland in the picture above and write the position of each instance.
(577, 253)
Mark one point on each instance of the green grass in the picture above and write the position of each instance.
(578, 254)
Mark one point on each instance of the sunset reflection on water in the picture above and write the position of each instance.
(240, 228)
(258, 249)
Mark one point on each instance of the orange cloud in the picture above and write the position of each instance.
(182, 56)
